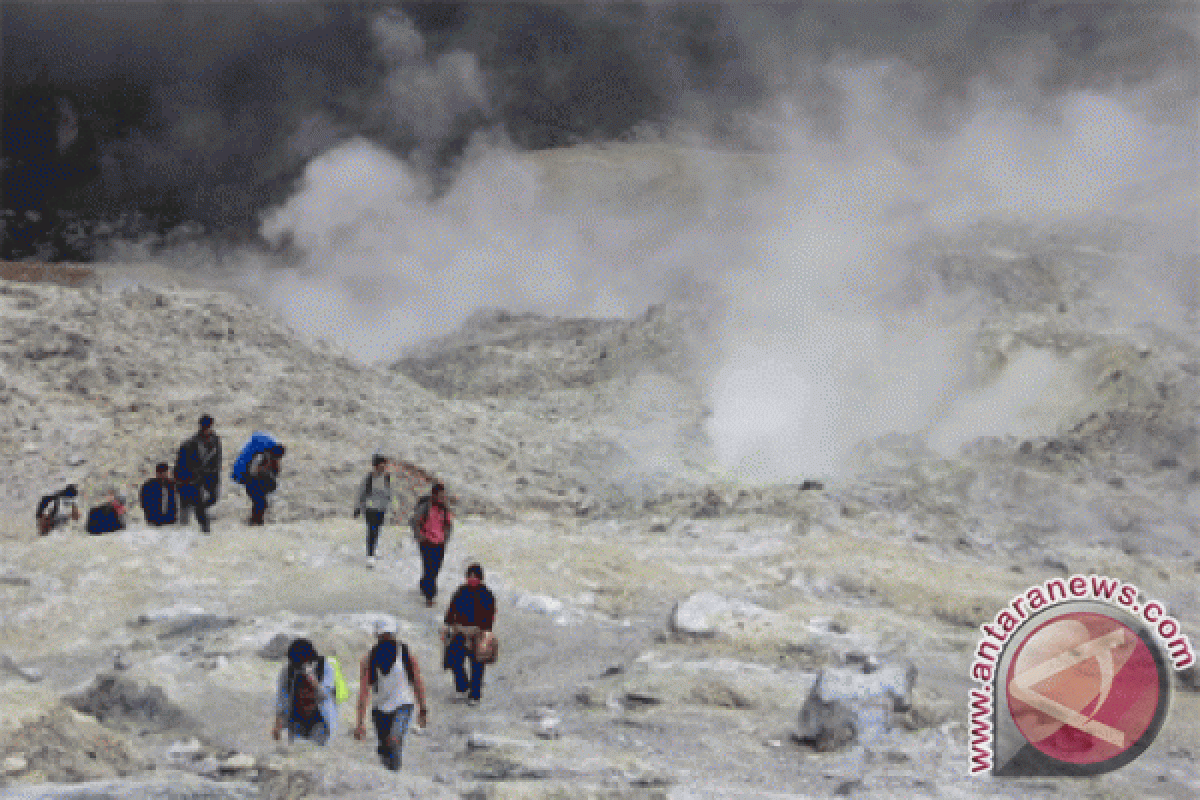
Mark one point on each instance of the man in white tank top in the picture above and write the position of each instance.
(389, 673)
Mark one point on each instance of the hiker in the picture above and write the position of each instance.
(198, 473)
(158, 497)
(56, 509)
(471, 614)
(432, 522)
(109, 516)
(262, 479)
(306, 696)
(394, 689)
(374, 498)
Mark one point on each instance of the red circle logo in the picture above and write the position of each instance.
(1083, 688)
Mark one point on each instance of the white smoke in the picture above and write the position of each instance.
(833, 331)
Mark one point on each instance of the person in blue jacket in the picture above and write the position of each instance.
(158, 498)
(108, 517)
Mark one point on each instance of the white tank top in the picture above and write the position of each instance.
(393, 689)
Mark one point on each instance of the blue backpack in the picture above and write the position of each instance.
(259, 443)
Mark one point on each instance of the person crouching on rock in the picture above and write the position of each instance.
(433, 522)
(374, 497)
(390, 673)
(306, 696)
(57, 509)
(261, 480)
(472, 612)
(158, 498)
(109, 516)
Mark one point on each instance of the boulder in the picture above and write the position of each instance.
(276, 649)
(697, 615)
(846, 705)
(540, 604)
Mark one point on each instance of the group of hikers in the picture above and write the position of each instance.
(171, 495)
(310, 687)
(195, 484)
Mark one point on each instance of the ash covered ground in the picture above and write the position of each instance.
(662, 621)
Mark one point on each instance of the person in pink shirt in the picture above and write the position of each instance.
(433, 522)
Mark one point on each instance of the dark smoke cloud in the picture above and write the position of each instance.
(207, 113)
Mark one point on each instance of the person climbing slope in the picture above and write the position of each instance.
(373, 499)
(432, 522)
(390, 675)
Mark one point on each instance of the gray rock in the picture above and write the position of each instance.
(176, 786)
(122, 704)
(696, 616)
(276, 649)
(31, 674)
(14, 765)
(1189, 678)
(239, 762)
(847, 705)
(199, 623)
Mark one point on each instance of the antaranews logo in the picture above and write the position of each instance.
(1073, 679)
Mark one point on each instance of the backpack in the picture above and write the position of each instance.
(45, 503)
(404, 658)
(418, 515)
(259, 443)
(103, 519)
(341, 692)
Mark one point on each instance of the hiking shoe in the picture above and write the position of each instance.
(429, 602)
(472, 701)
(370, 562)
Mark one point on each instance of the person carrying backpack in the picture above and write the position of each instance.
(390, 674)
(158, 498)
(198, 473)
(432, 523)
(374, 498)
(262, 479)
(306, 696)
(54, 510)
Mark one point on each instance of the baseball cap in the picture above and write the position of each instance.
(385, 625)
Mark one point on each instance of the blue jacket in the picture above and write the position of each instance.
(158, 502)
(104, 519)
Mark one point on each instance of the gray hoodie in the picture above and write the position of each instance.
(375, 492)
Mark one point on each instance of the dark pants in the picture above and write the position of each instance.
(456, 655)
(258, 487)
(431, 558)
(194, 495)
(374, 521)
(388, 725)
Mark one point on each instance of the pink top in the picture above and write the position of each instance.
(435, 525)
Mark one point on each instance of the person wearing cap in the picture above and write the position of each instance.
(374, 498)
(158, 497)
(306, 696)
(198, 472)
(472, 611)
(390, 673)
(57, 509)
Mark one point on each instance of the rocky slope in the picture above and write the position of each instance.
(662, 626)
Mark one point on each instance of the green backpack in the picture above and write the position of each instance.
(341, 692)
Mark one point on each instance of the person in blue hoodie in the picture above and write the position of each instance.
(109, 516)
(158, 498)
